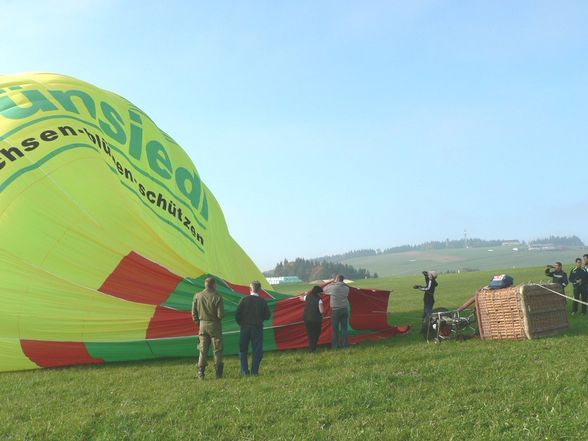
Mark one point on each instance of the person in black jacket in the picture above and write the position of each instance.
(557, 275)
(313, 316)
(579, 279)
(429, 289)
(251, 313)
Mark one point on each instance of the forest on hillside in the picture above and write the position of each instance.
(310, 270)
(557, 241)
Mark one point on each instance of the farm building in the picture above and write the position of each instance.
(284, 280)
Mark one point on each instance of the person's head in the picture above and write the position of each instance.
(558, 266)
(339, 278)
(210, 283)
(578, 262)
(315, 291)
(255, 286)
(585, 256)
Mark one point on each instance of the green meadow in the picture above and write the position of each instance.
(396, 389)
(413, 262)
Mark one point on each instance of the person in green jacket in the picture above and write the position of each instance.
(207, 312)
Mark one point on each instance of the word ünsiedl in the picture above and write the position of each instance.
(127, 133)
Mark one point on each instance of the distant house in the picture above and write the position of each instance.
(511, 243)
(284, 280)
(542, 247)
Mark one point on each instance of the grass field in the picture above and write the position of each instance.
(396, 389)
(414, 262)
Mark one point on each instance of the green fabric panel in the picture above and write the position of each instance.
(181, 298)
(174, 347)
(120, 351)
(269, 336)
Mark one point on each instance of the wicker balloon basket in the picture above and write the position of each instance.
(519, 312)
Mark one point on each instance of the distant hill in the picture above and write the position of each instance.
(452, 256)
(556, 242)
(464, 259)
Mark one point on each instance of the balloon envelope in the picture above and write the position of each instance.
(107, 232)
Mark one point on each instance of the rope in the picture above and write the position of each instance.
(560, 294)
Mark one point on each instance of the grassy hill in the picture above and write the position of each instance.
(396, 389)
(414, 262)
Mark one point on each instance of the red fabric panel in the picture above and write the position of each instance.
(289, 329)
(245, 290)
(369, 309)
(140, 280)
(368, 312)
(57, 353)
(167, 323)
(387, 333)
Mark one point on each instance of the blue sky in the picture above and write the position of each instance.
(326, 126)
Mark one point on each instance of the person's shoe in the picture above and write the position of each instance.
(573, 313)
(245, 374)
(201, 373)
(219, 370)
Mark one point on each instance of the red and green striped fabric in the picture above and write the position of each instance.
(172, 333)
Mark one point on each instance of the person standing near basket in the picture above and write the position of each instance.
(558, 276)
(429, 289)
(585, 267)
(585, 258)
(579, 279)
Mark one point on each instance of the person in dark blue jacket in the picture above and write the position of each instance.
(251, 312)
(579, 280)
(558, 276)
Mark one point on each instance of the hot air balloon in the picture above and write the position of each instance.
(107, 231)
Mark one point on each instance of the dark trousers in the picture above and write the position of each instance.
(313, 329)
(580, 293)
(339, 318)
(253, 334)
(428, 309)
(428, 301)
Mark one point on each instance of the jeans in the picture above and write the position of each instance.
(253, 334)
(339, 318)
(313, 329)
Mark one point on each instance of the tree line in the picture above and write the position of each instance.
(325, 267)
(313, 269)
(561, 241)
